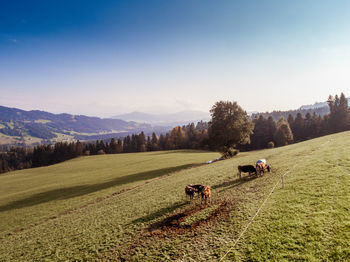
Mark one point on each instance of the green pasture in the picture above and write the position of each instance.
(62, 138)
(31, 194)
(42, 121)
(117, 207)
(5, 139)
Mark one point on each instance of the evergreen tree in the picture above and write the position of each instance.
(154, 142)
(162, 142)
(113, 147)
(119, 146)
(271, 129)
(127, 145)
(344, 113)
(339, 113)
(290, 120)
(5, 166)
(192, 137)
(102, 146)
(78, 148)
(141, 142)
(283, 135)
(259, 138)
(316, 125)
(133, 143)
(148, 144)
(298, 128)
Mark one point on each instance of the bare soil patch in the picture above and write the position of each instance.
(172, 225)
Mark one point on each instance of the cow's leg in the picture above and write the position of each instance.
(258, 171)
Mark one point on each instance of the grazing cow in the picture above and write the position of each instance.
(189, 192)
(246, 169)
(197, 188)
(205, 194)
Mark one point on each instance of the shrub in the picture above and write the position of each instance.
(270, 144)
(228, 152)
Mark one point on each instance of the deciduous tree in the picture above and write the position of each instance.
(229, 126)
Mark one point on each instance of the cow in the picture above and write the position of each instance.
(205, 194)
(246, 169)
(189, 192)
(197, 187)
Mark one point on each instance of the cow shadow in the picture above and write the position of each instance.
(182, 151)
(233, 183)
(80, 190)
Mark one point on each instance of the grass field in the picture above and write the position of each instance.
(42, 121)
(5, 139)
(132, 207)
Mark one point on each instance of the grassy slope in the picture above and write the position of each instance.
(5, 139)
(307, 220)
(31, 194)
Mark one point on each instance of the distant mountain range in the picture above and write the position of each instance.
(30, 127)
(179, 118)
(20, 127)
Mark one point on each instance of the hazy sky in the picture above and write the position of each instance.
(105, 57)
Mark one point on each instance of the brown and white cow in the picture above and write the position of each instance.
(205, 194)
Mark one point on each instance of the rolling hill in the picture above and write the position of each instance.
(29, 127)
(133, 207)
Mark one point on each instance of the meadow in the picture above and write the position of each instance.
(132, 207)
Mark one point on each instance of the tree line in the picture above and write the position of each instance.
(232, 129)
(299, 128)
(229, 129)
(190, 136)
(278, 114)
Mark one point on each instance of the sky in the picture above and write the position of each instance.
(104, 58)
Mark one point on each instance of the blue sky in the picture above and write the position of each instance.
(109, 57)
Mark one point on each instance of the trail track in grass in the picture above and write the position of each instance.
(173, 223)
(170, 231)
(307, 220)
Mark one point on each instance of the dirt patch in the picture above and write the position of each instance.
(172, 225)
